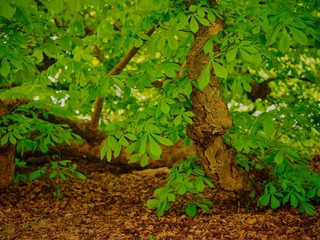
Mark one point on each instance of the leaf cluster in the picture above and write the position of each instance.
(186, 177)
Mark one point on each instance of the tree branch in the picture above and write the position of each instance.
(94, 124)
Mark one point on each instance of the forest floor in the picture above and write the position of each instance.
(112, 205)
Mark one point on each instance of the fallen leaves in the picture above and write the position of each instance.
(112, 206)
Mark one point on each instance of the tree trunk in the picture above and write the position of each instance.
(212, 119)
(7, 165)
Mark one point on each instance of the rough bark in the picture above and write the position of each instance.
(212, 119)
(7, 165)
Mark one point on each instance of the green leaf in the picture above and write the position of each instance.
(203, 21)
(199, 184)
(256, 29)
(12, 139)
(54, 165)
(171, 197)
(164, 107)
(150, 128)
(275, 203)
(219, 70)
(59, 195)
(152, 203)
(204, 207)
(144, 160)
(143, 145)
(123, 141)
(200, 12)
(112, 142)
(278, 158)
(43, 147)
(172, 42)
(181, 189)
(293, 200)
(130, 136)
(193, 8)
(208, 182)
(269, 127)
(36, 174)
(5, 139)
(117, 150)
(232, 54)
(104, 150)
(109, 154)
(53, 174)
(163, 140)
(191, 209)
(245, 55)
(81, 176)
(5, 67)
(211, 17)
(74, 5)
(204, 76)
(284, 43)
(155, 148)
(55, 6)
(273, 36)
(6, 10)
(177, 120)
(312, 192)
(194, 26)
(134, 158)
(309, 209)
(299, 36)
(264, 199)
(208, 46)
(187, 119)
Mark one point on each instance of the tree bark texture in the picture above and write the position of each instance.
(212, 119)
(7, 165)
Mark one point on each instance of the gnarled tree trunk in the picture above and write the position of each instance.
(212, 119)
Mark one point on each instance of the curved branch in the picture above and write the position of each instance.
(98, 104)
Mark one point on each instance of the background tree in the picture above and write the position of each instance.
(242, 75)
